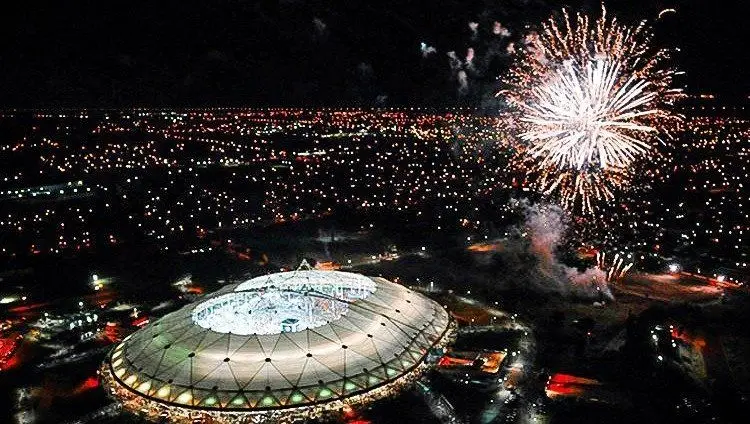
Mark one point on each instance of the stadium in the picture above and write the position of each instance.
(283, 347)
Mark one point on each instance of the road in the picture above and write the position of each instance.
(517, 398)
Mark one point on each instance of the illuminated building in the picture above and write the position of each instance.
(279, 347)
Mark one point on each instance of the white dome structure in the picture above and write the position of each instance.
(278, 348)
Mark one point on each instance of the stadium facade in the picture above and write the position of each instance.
(278, 348)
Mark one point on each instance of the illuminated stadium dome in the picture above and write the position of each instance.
(278, 348)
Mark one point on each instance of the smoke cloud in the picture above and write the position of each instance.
(474, 28)
(426, 50)
(463, 82)
(499, 29)
(458, 68)
(321, 29)
(545, 227)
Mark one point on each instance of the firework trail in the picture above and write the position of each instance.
(616, 269)
(580, 190)
(592, 98)
(665, 11)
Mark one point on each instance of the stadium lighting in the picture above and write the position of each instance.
(279, 348)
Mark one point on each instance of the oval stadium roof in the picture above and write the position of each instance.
(280, 341)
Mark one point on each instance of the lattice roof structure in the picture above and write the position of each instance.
(289, 341)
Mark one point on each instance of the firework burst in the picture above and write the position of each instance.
(582, 119)
(591, 99)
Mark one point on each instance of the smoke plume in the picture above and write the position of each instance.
(544, 227)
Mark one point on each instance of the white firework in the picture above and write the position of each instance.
(592, 97)
(585, 116)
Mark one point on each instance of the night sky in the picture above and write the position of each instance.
(307, 53)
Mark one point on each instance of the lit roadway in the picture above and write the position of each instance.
(517, 398)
